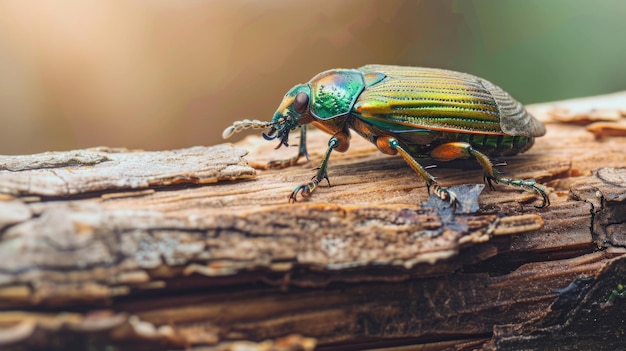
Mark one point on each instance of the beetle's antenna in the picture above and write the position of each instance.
(244, 124)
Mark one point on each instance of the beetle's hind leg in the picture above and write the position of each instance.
(454, 150)
(292, 161)
(390, 145)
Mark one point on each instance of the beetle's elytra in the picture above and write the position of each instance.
(412, 111)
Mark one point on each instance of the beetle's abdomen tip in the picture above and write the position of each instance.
(514, 118)
(540, 128)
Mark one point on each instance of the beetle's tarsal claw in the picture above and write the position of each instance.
(544, 196)
(304, 190)
(327, 180)
(428, 188)
(527, 184)
(490, 180)
(542, 192)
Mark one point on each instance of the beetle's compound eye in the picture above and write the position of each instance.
(301, 102)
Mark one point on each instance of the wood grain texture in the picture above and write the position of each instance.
(56, 174)
(193, 248)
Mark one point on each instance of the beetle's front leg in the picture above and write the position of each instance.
(390, 145)
(339, 141)
(279, 164)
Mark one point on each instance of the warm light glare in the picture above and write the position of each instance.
(174, 73)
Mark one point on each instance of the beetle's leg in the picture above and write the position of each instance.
(339, 141)
(454, 150)
(279, 164)
(389, 145)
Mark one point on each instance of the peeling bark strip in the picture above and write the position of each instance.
(105, 247)
(57, 174)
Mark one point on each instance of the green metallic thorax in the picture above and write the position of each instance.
(335, 92)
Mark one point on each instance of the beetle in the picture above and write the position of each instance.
(411, 111)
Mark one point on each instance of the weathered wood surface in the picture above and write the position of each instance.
(133, 249)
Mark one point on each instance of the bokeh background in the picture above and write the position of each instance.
(161, 74)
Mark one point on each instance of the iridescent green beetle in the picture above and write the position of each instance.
(411, 111)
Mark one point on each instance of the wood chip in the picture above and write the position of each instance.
(607, 129)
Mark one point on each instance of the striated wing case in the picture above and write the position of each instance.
(415, 98)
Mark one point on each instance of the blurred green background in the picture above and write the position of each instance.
(160, 74)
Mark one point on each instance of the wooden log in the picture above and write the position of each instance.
(195, 249)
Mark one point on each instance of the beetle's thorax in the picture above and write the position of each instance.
(334, 92)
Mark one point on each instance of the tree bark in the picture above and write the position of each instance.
(196, 249)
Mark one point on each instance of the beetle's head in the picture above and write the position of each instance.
(290, 113)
